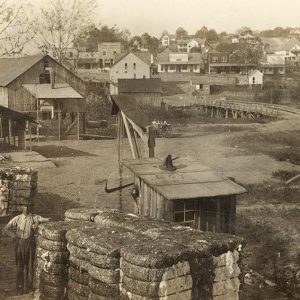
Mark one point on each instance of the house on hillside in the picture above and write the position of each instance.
(146, 91)
(179, 62)
(186, 46)
(107, 52)
(131, 65)
(168, 39)
(273, 65)
(40, 86)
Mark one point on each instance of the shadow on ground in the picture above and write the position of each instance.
(53, 205)
(52, 151)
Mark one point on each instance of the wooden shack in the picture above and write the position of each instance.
(193, 195)
(41, 87)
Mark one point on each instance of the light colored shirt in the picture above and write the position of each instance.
(25, 225)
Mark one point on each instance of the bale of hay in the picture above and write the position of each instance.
(52, 268)
(105, 275)
(78, 252)
(59, 257)
(72, 295)
(79, 264)
(85, 214)
(79, 289)
(93, 296)
(103, 261)
(51, 245)
(53, 291)
(55, 280)
(104, 289)
(79, 275)
(142, 288)
(141, 273)
(56, 231)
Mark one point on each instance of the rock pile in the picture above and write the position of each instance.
(17, 186)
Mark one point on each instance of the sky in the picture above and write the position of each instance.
(154, 16)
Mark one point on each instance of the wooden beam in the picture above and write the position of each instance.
(151, 141)
(59, 125)
(129, 136)
(30, 139)
(78, 127)
(70, 127)
(9, 131)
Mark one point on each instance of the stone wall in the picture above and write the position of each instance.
(17, 186)
(113, 255)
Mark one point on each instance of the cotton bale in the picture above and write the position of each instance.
(51, 245)
(104, 289)
(79, 289)
(79, 275)
(59, 257)
(84, 214)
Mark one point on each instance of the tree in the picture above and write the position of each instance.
(15, 28)
(211, 35)
(61, 22)
(181, 33)
(201, 33)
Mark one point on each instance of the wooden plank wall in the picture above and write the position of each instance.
(20, 99)
(154, 205)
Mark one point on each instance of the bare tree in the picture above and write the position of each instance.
(15, 28)
(61, 23)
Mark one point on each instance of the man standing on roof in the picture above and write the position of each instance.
(22, 229)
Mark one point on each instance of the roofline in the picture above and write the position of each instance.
(130, 52)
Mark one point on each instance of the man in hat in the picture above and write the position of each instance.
(22, 228)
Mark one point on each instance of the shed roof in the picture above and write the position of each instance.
(190, 180)
(15, 115)
(13, 67)
(131, 108)
(45, 91)
(145, 85)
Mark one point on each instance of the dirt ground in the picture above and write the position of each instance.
(82, 167)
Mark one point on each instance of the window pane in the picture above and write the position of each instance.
(179, 205)
(189, 216)
(179, 217)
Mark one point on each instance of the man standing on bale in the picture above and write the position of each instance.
(22, 229)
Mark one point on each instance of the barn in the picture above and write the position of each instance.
(41, 87)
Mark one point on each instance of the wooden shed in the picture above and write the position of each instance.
(13, 127)
(193, 195)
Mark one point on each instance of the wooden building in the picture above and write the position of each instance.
(13, 127)
(148, 91)
(41, 87)
(193, 195)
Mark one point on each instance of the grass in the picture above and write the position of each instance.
(283, 146)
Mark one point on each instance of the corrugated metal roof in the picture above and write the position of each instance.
(44, 91)
(190, 180)
(15, 115)
(13, 67)
(131, 108)
(147, 85)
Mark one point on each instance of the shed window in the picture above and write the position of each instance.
(125, 66)
(184, 212)
(253, 80)
(45, 77)
(134, 66)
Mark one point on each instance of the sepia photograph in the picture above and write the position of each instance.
(149, 150)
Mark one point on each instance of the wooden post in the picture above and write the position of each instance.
(1, 128)
(232, 214)
(218, 215)
(37, 119)
(78, 127)
(9, 130)
(151, 141)
(59, 124)
(30, 139)
(14, 132)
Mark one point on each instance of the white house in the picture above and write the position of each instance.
(179, 62)
(168, 39)
(255, 77)
(132, 65)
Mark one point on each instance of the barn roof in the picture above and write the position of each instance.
(131, 108)
(15, 66)
(145, 85)
(190, 180)
(44, 91)
(15, 115)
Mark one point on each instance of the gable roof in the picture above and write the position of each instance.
(148, 85)
(193, 58)
(15, 66)
(45, 91)
(144, 56)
